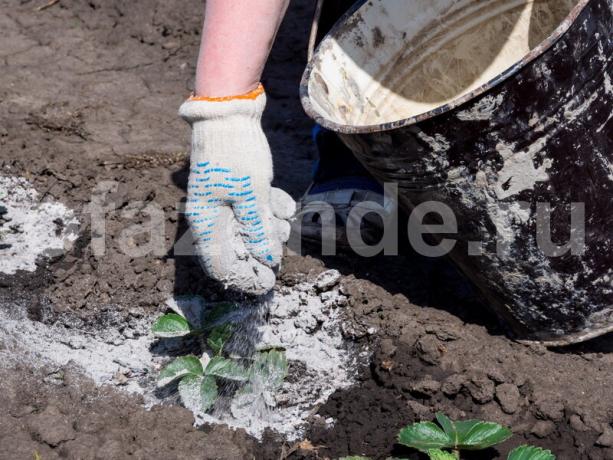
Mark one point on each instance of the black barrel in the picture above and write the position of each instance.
(514, 158)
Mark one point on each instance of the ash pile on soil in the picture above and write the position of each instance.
(30, 228)
(304, 320)
(107, 357)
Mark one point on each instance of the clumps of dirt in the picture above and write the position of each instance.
(124, 255)
(31, 228)
(54, 412)
(428, 360)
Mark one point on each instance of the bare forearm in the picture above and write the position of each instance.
(236, 40)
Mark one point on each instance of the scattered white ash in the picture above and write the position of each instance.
(304, 320)
(30, 228)
(106, 357)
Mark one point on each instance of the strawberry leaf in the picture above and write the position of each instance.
(530, 453)
(180, 367)
(219, 336)
(227, 369)
(198, 392)
(437, 454)
(270, 367)
(216, 312)
(477, 435)
(171, 325)
(424, 436)
(448, 426)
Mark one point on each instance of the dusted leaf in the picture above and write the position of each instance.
(171, 325)
(219, 336)
(424, 436)
(184, 365)
(476, 435)
(189, 391)
(198, 392)
(530, 453)
(227, 369)
(208, 392)
(270, 367)
(437, 454)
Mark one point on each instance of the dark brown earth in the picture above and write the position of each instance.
(89, 93)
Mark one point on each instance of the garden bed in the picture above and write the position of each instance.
(90, 114)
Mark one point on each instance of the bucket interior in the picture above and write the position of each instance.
(396, 59)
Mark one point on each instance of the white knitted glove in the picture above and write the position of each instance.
(238, 220)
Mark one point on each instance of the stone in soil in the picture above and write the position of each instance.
(508, 397)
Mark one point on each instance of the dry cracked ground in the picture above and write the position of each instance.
(89, 92)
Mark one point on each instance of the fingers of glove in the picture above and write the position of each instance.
(257, 231)
(225, 258)
(282, 229)
(204, 221)
(283, 206)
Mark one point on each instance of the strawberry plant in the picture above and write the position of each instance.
(199, 378)
(446, 440)
(455, 436)
(267, 373)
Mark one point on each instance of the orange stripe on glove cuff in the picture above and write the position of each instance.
(251, 95)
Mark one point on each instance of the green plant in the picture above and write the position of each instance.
(530, 453)
(199, 377)
(445, 442)
(172, 325)
(456, 436)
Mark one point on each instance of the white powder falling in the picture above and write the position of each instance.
(306, 323)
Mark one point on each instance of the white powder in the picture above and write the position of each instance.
(30, 228)
(307, 325)
(301, 319)
(101, 357)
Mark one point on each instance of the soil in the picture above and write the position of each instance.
(89, 94)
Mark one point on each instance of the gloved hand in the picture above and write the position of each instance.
(238, 220)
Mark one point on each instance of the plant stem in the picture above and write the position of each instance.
(456, 453)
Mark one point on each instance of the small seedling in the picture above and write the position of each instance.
(455, 436)
(198, 377)
(266, 376)
(270, 367)
(219, 336)
(445, 442)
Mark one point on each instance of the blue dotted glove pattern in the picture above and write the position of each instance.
(213, 187)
